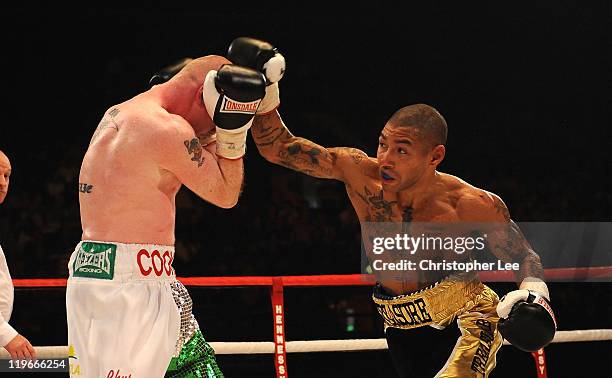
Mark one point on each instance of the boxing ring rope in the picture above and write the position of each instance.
(344, 345)
(279, 347)
(334, 280)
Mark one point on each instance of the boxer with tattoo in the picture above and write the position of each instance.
(127, 313)
(402, 185)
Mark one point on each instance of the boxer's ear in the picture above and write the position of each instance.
(168, 72)
(437, 155)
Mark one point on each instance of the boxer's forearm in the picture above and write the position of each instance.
(270, 135)
(512, 247)
(277, 145)
(530, 266)
(232, 173)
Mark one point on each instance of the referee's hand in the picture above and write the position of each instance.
(20, 348)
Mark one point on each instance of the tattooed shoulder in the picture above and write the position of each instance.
(107, 122)
(356, 156)
(500, 207)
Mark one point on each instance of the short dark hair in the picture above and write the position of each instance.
(424, 118)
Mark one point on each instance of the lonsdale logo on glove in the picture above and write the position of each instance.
(230, 106)
(544, 303)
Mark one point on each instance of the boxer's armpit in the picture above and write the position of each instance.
(194, 150)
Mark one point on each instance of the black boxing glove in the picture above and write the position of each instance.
(168, 72)
(232, 96)
(526, 318)
(258, 55)
(265, 58)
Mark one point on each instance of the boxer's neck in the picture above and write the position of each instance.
(177, 98)
(185, 100)
(411, 196)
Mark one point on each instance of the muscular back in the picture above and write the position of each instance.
(124, 195)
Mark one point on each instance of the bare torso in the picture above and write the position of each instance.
(373, 204)
(141, 153)
(444, 199)
(124, 195)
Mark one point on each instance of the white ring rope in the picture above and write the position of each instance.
(267, 347)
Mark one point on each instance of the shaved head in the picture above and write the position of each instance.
(5, 173)
(195, 71)
(424, 118)
(182, 94)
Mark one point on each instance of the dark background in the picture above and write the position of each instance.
(524, 89)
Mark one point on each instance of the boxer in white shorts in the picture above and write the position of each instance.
(128, 316)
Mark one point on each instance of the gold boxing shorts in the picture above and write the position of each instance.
(466, 300)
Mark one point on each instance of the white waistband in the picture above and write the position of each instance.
(111, 261)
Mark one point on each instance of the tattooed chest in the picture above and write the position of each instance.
(372, 206)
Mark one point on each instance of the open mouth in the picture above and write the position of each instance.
(386, 177)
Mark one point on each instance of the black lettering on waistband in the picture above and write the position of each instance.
(413, 313)
(404, 314)
(399, 316)
(384, 312)
(407, 315)
(422, 308)
(389, 315)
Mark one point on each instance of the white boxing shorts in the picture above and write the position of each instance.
(128, 316)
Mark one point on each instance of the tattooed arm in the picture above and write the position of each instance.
(179, 151)
(505, 239)
(277, 145)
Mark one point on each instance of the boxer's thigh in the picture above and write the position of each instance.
(129, 328)
(476, 348)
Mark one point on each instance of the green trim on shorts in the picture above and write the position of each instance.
(95, 260)
(196, 360)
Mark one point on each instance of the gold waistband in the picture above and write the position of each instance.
(437, 305)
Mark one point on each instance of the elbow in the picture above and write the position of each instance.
(274, 159)
(228, 204)
(229, 200)
(269, 154)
